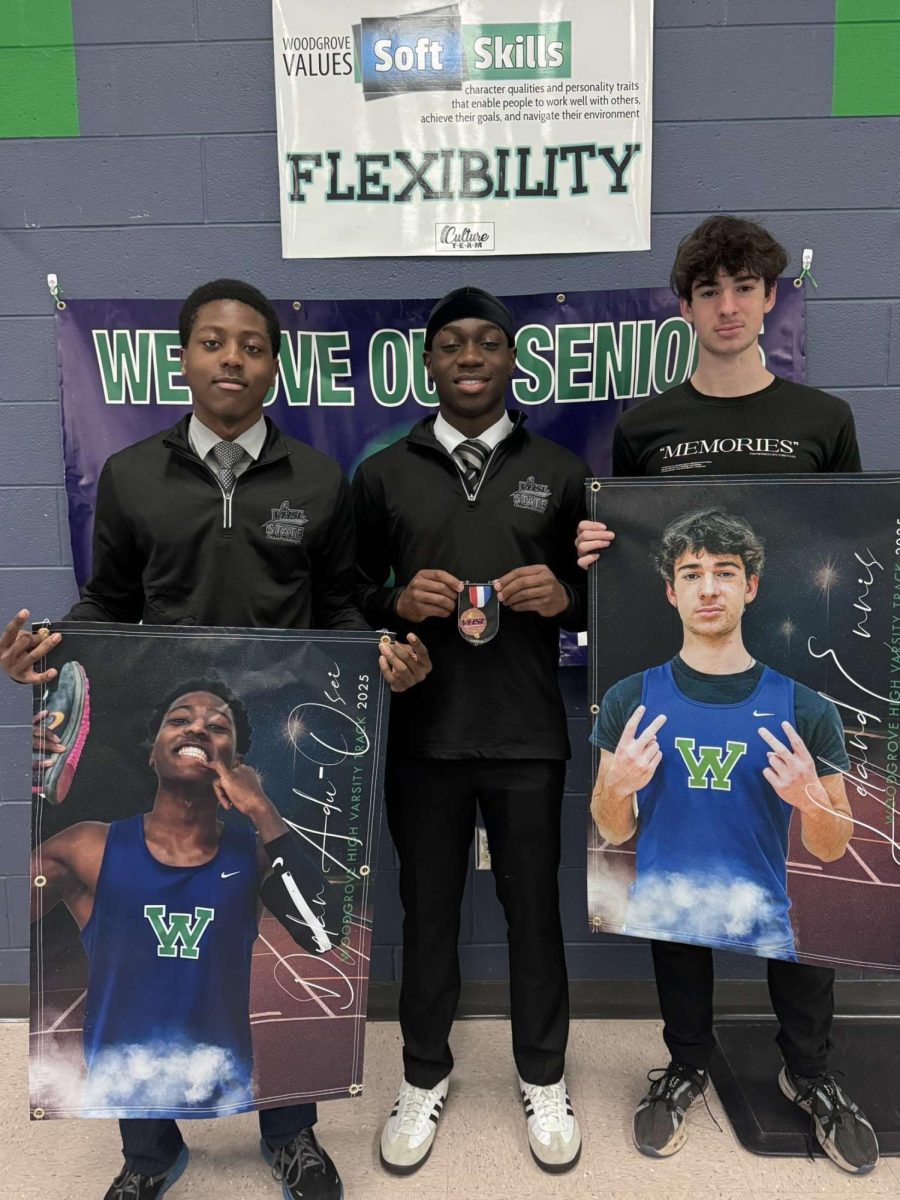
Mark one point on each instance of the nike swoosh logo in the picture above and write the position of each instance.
(759, 714)
(228, 874)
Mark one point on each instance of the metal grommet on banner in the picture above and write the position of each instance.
(560, 297)
(365, 869)
(55, 291)
(596, 485)
(40, 880)
(595, 708)
(354, 1089)
(297, 305)
(38, 1114)
(805, 272)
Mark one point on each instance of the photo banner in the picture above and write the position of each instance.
(472, 128)
(351, 377)
(720, 856)
(201, 950)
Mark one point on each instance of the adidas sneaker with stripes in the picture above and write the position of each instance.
(409, 1132)
(554, 1135)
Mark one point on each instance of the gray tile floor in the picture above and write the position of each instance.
(480, 1151)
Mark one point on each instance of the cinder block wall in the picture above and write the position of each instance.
(173, 180)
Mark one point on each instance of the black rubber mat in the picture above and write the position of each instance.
(745, 1069)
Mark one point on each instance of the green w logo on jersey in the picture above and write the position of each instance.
(712, 762)
(179, 929)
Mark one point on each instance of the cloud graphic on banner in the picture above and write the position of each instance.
(705, 909)
(133, 1080)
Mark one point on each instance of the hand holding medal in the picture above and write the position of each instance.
(533, 589)
(428, 594)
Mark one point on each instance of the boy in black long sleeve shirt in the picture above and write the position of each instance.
(735, 417)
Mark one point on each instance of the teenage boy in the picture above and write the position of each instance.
(735, 417)
(180, 538)
(474, 516)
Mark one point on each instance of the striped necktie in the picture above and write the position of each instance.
(470, 456)
(227, 455)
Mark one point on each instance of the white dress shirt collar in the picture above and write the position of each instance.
(203, 439)
(450, 438)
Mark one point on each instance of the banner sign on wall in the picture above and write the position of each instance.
(351, 376)
(762, 814)
(477, 127)
(203, 856)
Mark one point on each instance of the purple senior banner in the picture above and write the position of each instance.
(352, 380)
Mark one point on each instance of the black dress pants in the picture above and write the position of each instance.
(802, 997)
(431, 807)
(151, 1146)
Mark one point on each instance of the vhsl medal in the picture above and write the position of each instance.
(478, 613)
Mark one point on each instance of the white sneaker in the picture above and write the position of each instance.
(554, 1135)
(408, 1133)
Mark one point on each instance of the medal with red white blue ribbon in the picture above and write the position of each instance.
(478, 613)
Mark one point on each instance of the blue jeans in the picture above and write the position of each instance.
(151, 1146)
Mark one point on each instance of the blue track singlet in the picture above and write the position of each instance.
(712, 832)
(167, 1016)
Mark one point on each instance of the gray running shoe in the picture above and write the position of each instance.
(658, 1127)
(841, 1128)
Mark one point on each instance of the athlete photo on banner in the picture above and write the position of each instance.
(205, 834)
(745, 700)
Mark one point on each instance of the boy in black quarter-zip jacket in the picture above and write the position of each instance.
(222, 520)
(470, 497)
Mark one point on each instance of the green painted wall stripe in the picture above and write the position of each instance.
(866, 10)
(866, 74)
(38, 91)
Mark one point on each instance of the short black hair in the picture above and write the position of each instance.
(729, 244)
(712, 530)
(243, 733)
(229, 289)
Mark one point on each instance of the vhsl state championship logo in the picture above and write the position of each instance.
(531, 495)
(286, 524)
(477, 613)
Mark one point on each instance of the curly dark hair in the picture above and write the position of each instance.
(228, 289)
(729, 244)
(712, 530)
(243, 733)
